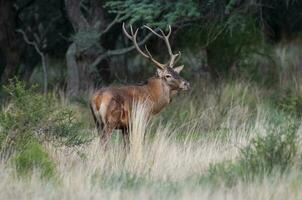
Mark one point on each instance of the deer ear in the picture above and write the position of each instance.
(178, 69)
(160, 72)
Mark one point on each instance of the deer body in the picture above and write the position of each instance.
(119, 100)
(112, 106)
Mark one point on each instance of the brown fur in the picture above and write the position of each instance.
(118, 102)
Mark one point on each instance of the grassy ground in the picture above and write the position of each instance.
(233, 140)
(181, 155)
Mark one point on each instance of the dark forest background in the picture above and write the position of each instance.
(74, 45)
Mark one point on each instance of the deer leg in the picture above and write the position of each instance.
(100, 128)
(105, 136)
(99, 124)
(126, 140)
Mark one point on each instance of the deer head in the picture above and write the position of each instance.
(167, 72)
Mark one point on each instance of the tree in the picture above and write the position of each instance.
(87, 49)
(39, 43)
(9, 41)
(44, 25)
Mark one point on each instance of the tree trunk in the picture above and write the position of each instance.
(45, 61)
(86, 80)
(8, 40)
(79, 79)
(73, 79)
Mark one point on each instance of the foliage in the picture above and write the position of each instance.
(239, 39)
(45, 19)
(68, 129)
(88, 38)
(30, 114)
(230, 29)
(289, 101)
(149, 12)
(33, 157)
(276, 152)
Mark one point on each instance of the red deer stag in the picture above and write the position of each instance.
(111, 106)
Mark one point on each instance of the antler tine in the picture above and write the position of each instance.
(170, 30)
(162, 36)
(126, 33)
(147, 50)
(173, 57)
(132, 37)
(166, 37)
(154, 32)
(178, 57)
(136, 45)
(131, 29)
(162, 66)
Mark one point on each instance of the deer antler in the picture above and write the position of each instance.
(132, 36)
(173, 57)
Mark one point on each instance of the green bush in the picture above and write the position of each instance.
(67, 128)
(33, 157)
(288, 100)
(25, 112)
(226, 172)
(30, 114)
(273, 153)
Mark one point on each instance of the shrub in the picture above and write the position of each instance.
(32, 115)
(289, 100)
(68, 129)
(33, 157)
(226, 172)
(275, 152)
(25, 112)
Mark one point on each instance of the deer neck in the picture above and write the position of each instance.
(159, 94)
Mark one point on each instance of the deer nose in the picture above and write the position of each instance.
(186, 85)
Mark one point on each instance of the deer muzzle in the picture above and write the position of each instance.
(185, 85)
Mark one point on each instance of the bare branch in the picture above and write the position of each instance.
(116, 20)
(34, 44)
(39, 51)
(119, 51)
(50, 24)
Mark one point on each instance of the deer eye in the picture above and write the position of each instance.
(168, 76)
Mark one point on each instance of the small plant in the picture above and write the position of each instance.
(33, 157)
(67, 128)
(226, 172)
(290, 101)
(275, 152)
(30, 119)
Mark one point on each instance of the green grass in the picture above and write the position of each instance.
(33, 157)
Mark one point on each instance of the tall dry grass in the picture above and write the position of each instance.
(171, 153)
(165, 161)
